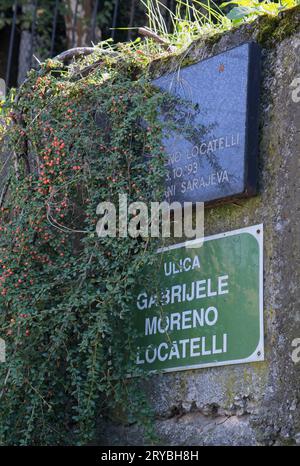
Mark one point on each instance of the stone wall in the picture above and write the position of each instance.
(256, 403)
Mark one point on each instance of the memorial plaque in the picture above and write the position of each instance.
(211, 112)
(204, 306)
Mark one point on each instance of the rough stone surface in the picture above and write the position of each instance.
(256, 403)
(210, 99)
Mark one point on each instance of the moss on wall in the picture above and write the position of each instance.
(267, 30)
(273, 29)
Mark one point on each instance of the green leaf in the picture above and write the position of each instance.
(241, 12)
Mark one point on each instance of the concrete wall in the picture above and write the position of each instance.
(256, 403)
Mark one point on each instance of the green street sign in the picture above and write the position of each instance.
(204, 306)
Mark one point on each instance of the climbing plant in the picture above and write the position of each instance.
(78, 135)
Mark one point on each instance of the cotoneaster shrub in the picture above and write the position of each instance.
(77, 138)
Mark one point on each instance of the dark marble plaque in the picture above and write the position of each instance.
(211, 140)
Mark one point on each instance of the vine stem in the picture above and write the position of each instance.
(146, 32)
(74, 53)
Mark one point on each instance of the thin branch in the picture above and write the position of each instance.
(88, 69)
